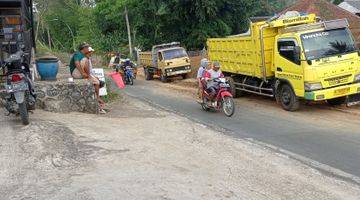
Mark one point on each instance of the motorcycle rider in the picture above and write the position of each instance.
(127, 62)
(210, 75)
(121, 68)
(204, 66)
(115, 60)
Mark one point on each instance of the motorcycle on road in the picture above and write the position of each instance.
(127, 73)
(222, 101)
(19, 97)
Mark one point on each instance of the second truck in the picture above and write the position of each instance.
(165, 61)
(292, 57)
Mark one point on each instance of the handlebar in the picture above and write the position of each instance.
(219, 80)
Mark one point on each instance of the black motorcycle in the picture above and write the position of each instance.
(20, 97)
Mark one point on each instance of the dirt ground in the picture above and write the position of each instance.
(140, 152)
(195, 63)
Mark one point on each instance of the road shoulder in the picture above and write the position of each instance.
(146, 153)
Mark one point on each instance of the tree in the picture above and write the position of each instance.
(337, 2)
(62, 18)
(190, 22)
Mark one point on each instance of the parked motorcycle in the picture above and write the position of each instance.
(222, 101)
(18, 85)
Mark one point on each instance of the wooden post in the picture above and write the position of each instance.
(129, 32)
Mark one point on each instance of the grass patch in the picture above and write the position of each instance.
(112, 90)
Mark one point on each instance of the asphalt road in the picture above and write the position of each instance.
(329, 137)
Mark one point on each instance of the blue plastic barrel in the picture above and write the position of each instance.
(47, 68)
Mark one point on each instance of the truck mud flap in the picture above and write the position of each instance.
(353, 100)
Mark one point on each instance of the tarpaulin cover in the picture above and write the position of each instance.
(117, 79)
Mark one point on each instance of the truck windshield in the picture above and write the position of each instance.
(174, 53)
(327, 43)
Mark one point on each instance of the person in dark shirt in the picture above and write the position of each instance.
(76, 69)
(81, 68)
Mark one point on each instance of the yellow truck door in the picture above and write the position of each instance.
(287, 67)
(161, 61)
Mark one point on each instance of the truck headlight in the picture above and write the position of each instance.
(313, 86)
(357, 78)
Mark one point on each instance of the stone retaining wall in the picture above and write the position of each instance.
(62, 96)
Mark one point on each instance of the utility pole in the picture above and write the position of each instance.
(129, 32)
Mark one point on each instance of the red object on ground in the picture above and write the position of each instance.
(117, 79)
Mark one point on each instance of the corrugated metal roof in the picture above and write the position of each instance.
(354, 3)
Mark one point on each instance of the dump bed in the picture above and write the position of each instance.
(243, 54)
(146, 58)
(150, 58)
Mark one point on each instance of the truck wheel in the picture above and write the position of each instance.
(288, 99)
(148, 75)
(236, 93)
(24, 115)
(163, 78)
(336, 101)
(184, 76)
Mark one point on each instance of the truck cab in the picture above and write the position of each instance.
(292, 57)
(319, 61)
(174, 61)
(165, 60)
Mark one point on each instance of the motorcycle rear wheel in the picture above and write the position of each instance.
(228, 106)
(24, 115)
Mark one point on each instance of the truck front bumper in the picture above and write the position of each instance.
(341, 91)
(178, 70)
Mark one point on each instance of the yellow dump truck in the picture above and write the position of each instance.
(292, 58)
(165, 60)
